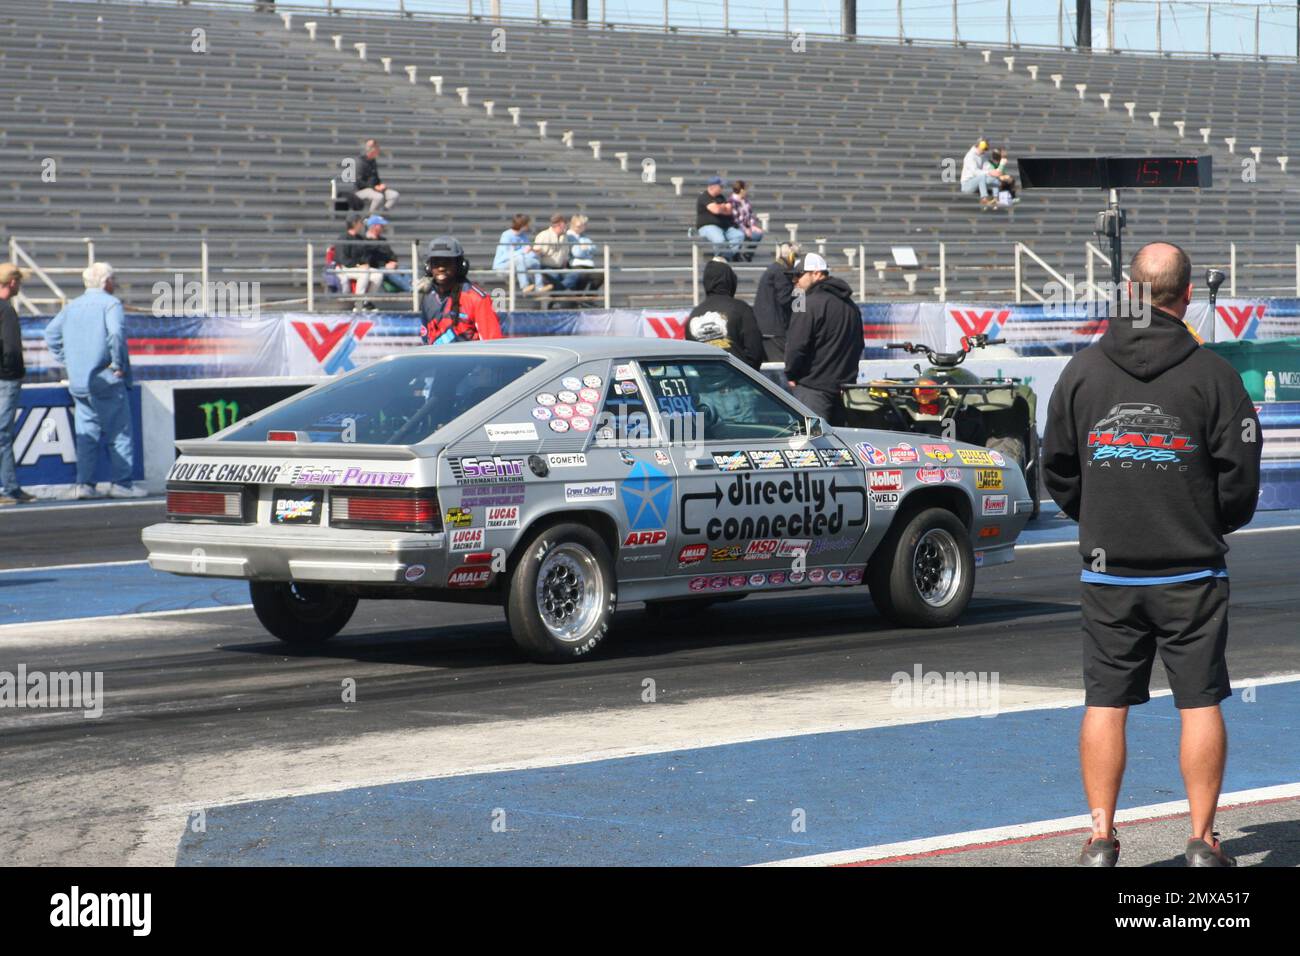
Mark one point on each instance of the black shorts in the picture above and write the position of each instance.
(1123, 625)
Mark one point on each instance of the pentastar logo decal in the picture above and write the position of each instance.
(647, 494)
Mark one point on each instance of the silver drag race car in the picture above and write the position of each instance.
(560, 476)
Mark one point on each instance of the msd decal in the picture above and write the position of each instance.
(665, 326)
(976, 322)
(332, 344)
(1238, 321)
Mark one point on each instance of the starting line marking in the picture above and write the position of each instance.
(1025, 832)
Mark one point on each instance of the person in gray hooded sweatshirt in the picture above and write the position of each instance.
(722, 319)
(1153, 446)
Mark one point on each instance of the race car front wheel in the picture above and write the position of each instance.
(301, 614)
(562, 596)
(923, 572)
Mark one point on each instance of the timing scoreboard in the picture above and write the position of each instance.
(1116, 172)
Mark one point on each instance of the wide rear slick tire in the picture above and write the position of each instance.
(923, 573)
(304, 615)
(562, 594)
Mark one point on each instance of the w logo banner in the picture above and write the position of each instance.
(975, 322)
(666, 326)
(332, 344)
(1238, 321)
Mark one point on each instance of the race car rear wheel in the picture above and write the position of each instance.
(562, 594)
(923, 572)
(301, 614)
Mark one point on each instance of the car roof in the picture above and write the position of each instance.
(589, 347)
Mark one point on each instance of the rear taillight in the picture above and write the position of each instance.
(400, 511)
(212, 504)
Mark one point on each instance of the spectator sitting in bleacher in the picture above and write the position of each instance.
(714, 222)
(352, 260)
(582, 255)
(552, 248)
(514, 254)
(742, 213)
(370, 187)
(973, 177)
(996, 165)
(381, 256)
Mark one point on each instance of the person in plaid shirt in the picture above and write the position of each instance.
(742, 211)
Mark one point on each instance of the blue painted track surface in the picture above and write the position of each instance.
(733, 804)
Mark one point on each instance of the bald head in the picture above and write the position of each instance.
(1166, 270)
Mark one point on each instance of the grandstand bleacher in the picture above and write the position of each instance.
(158, 147)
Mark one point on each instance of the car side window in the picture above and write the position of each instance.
(624, 416)
(726, 404)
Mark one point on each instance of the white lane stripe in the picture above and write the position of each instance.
(125, 617)
(55, 504)
(71, 567)
(974, 838)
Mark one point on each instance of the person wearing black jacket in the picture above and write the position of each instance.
(722, 319)
(825, 339)
(772, 301)
(12, 372)
(1154, 447)
(370, 186)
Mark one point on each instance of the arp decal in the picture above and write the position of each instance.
(645, 539)
(815, 506)
(1138, 432)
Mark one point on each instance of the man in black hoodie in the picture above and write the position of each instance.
(825, 341)
(722, 319)
(1153, 446)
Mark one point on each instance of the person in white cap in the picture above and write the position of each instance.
(88, 338)
(825, 340)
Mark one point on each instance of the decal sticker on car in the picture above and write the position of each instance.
(692, 554)
(503, 516)
(804, 458)
(903, 454)
(937, 452)
(837, 458)
(647, 495)
(590, 491)
(885, 480)
(469, 576)
(466, 539)
(731, 460)
(988, 479)
(571, 383)
(930, 474)
(485, 469)
(766, 459)
(559, 425)
(571, 460)
(545, 398)
(870, 454)
(801, 504)
(458, 517)
(511, 431)
(974, 456)
(414, 572)
(645, 539)
(994, 505)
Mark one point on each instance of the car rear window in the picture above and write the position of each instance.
(398, 402)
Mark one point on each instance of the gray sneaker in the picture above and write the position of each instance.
(1200, 853)
(1100, 851)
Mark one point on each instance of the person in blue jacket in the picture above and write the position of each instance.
(88, 338)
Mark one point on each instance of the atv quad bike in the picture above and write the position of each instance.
(953, 403)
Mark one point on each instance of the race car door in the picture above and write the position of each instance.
(758, 502)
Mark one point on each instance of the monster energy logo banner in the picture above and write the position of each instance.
(219, 415)
(202, 412)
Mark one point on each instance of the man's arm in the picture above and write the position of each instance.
(1062, 475)
(1236, 446)
(485, 319)
(54, 337)
(798, 346)
(11, 339)
(751, 339)
(115, 325)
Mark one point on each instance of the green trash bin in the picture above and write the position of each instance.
(1253, 360)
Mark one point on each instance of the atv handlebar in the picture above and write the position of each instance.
(949, 359)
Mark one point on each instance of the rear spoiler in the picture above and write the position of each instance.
(205, 447)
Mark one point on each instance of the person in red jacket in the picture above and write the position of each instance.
(454, 309)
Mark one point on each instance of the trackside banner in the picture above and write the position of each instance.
(189, 347)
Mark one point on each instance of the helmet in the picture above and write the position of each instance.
(446, 247)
